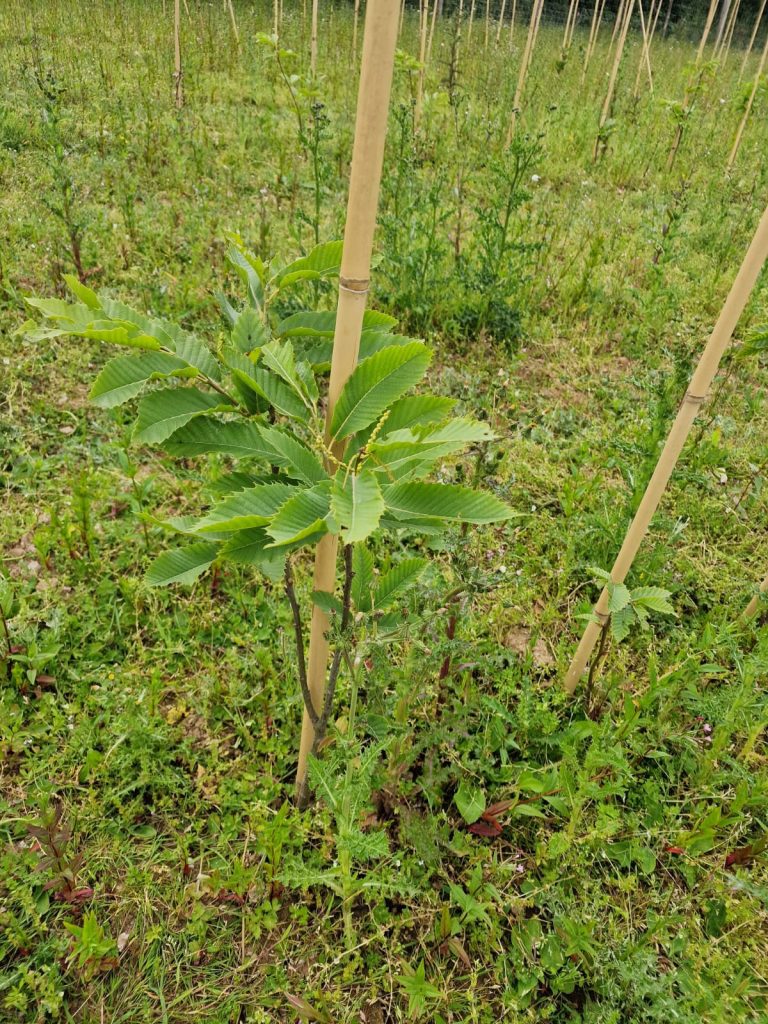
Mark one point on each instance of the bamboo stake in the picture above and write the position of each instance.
(726, 47)
(501, 21)
(276, 19)
(402, 19)
(722, 23)
(379, 40)
(234, 23)
(435, 7)
(487, 22)
(313, 40)
(597, 17)
(512, 25)
(424, 25)
(177, 73)
(751, 610)
(740, 132)
(608, 102)
(617, 25)
(653, 17)
(573, 24)
(645, 55)
(707, 28)
(572, 9)
(752, 38)
(530, 42)
(471, 19)
(697, 392)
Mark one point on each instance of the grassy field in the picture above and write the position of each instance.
(567, 301)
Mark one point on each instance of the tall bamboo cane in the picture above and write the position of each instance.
(530, 42)
(619, 23)
(435, 8)
(653, 17)
(402, 19)
(751, 610)
(573, 24)
(487, 23)
(752, 38)
(276, 19)
(608, 102)
(512, 24)
(233, 22)
(645, 56)
(313, 40)
(594, 31)
(177, 72)
(569, 21)
(697, 392)
(500, 26)
(707, 28)
(471, 20)
(424, 25)
(722, 24)
(740, 132)
(379, 40)
(737, 8)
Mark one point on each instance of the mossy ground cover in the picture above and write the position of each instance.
(567, 302)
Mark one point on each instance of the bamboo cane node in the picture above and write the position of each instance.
(359, 286)
(694, 399)
(602, 617)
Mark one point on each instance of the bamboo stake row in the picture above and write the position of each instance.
(740, 132)
(608, 102)
(525, 64)
(752, 38)
(707, 29)
(377, 65)
(594, 31)
(696, 394)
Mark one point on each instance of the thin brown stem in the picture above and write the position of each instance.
(298, 631)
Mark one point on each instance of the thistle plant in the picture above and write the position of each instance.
(258, 400)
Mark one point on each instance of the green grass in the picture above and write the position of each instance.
(166, 723)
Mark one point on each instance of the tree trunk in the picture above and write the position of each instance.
(379, 41)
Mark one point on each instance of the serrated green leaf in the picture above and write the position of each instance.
(251, 547)
(279, 357)
(362, 577)
(208, 434)
(654, 598)
(296, 459)
(123, 377)
(85, 294)
(310, 323)
(415, 411)
(618, 597)
(446, 502)
(621, 622)
(266, 385)
(375, 384)
(163, 412)
(181, 565)
(246, 509)
(248, 332)
(356, 504)
(193, 351)
(397, 581)
(321, 262)
(302, 517)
